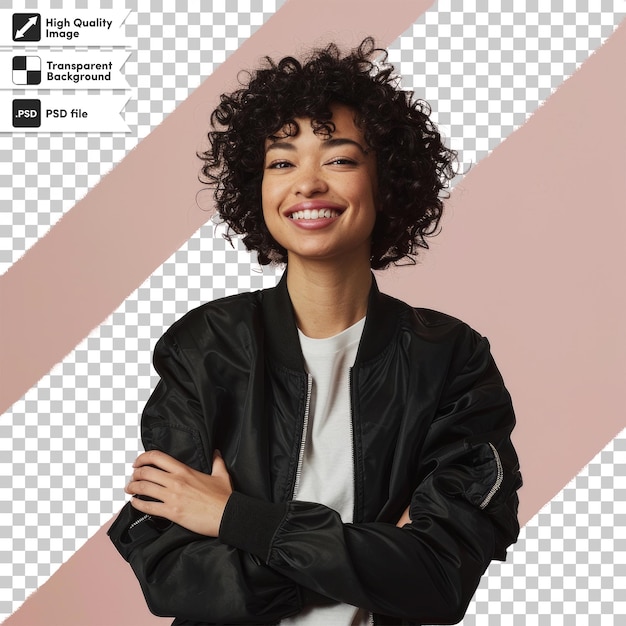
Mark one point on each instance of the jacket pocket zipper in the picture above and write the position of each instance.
(499, 478)
(138, 521)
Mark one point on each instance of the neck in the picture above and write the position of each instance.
(327, 298)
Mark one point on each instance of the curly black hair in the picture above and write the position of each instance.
(413, 164)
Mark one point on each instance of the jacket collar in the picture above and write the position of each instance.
(281, 332)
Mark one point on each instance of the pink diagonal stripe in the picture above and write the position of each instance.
(534, 257)
(145, 209)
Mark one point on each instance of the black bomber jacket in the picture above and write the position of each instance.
(431, 426)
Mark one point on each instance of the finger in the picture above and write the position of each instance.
(158, 459)
(219, 467)
(405, 519)
(150, 474)
(143, 488)
(148, 506)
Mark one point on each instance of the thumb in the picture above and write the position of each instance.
(220, 471)
(219, 467)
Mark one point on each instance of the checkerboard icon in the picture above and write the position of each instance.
(26, 70)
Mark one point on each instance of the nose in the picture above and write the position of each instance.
(309, 181)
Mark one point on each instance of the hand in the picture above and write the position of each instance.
(187, 497)
(405, 519)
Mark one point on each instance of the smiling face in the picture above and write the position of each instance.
(319, 191)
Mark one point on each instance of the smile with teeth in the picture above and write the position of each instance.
(314, 214)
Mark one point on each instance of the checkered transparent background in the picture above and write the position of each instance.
(65, 448)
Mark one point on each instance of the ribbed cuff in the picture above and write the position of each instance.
(250, 524)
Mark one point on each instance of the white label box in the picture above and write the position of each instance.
(63, 28)
(69, 69)
(62, 113)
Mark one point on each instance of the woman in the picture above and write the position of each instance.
(320, 453)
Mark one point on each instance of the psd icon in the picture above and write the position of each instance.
(26, 113)
(26, 27)
(26, 70)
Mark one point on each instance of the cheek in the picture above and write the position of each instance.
(271, 187)
(266, 197)
(373, 184)
(269, 208)
(369, 196)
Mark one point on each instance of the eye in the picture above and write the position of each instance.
(342, 161)
(279, 165)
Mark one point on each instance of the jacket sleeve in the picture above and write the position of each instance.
(463, 515)
(198, 579)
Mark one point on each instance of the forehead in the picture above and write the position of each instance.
(341, 124)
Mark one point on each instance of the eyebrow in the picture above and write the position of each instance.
(333, 142)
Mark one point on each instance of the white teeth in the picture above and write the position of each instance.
(314, 214)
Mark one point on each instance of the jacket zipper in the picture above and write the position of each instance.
(354, 508)
(499, 478)
(138, 521)
(305, 426)
(370, 614)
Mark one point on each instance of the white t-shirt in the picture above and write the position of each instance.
(327, 474)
